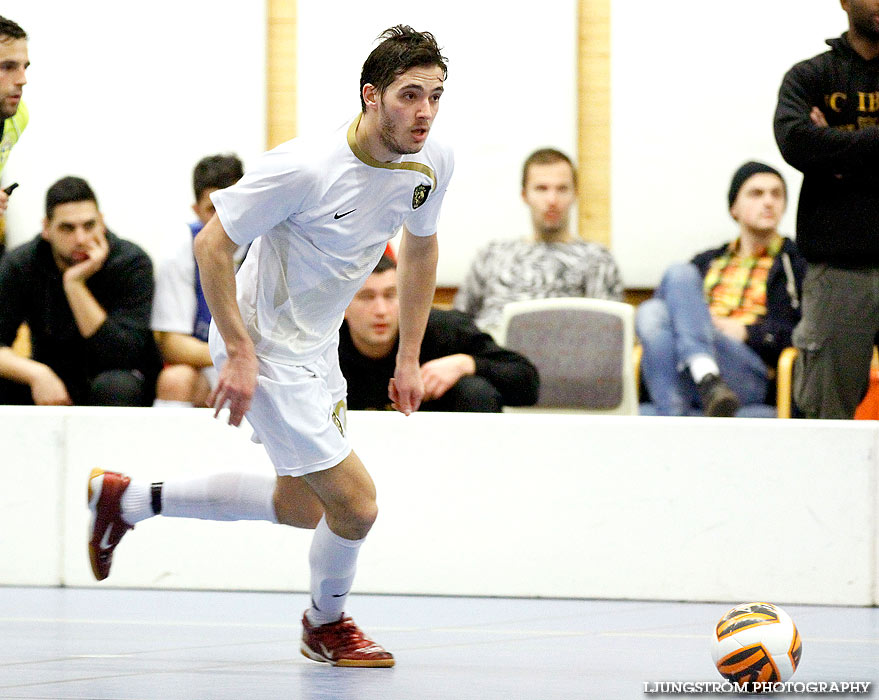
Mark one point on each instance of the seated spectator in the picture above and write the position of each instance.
(181, 317)
(716, 325)
(462, 368)
(86, 296)
(552, 262)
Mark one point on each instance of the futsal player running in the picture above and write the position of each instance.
(319, 212)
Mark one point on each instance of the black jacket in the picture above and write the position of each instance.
(31, 291)
(448, 333)
(784, 285)
(838, 213)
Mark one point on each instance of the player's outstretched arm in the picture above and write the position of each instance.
(214, 252)
(416, 281)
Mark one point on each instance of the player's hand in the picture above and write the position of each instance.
(731, 327)
(443, 373)
(235, 386)
(96, 253)
(817, 117)
(47, 389)
(406, 389)
(4, 202)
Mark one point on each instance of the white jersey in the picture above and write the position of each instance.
(174, 302)
(320, 212)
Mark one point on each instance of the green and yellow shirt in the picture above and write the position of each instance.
(12, 130)
(735, 285)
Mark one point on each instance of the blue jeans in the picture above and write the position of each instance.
(674, 326)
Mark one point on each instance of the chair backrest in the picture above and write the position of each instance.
(582, 349)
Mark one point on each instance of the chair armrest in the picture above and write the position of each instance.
(637, 351)
(784, 382)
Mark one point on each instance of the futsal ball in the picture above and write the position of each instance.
(756, 643)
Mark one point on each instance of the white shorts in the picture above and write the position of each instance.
(297, 412)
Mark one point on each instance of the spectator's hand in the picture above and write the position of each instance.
(443, 373)
(731, 327)
(235, 386)
(406, 388)
(817, 117)
(96, 256)
(47, 389)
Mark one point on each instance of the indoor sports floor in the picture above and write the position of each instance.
(126, 644)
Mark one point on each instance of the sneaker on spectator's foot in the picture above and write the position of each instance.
(342, 643)
(718, 400)
(108, 527)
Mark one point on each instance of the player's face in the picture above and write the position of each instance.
(204, 207)
(374, 313)
(863, 17)
(408, 107)
(549, 193)
(760, 203)
(13, 63)
(72, 231)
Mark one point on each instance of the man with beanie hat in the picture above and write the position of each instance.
(716, 324)
(826, 126)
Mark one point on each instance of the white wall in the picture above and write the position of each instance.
(694, 89)
(130, 97)
(522, 505)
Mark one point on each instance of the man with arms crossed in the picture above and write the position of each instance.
(827, 126)
(320, 212)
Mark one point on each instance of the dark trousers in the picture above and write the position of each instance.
(115, 387)
(835, 340)
(471, 394)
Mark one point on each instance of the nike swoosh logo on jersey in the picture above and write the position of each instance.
(339, 216)
(105, 540)
(341, 595)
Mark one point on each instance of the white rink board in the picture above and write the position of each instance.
(500, 505)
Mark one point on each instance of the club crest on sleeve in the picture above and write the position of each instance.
(419, 196)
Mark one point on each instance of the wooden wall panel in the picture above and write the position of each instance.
(280, 72)
(593, 120)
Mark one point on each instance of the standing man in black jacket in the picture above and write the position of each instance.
(86, 296)
(826, 126)
(463, 369)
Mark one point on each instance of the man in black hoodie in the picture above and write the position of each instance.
(826, 126)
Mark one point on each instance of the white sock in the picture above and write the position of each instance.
(137, 502)
(168, 403)
(333, 561)
(701, 366)
(226, 496)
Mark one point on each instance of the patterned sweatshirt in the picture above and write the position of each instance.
(516, 270)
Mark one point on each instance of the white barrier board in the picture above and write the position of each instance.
(499, 505)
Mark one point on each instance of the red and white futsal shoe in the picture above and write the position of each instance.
(108, 527)
(342, 643)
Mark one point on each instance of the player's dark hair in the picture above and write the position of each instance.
(402, 48)
(68, 189)
(546, 156)
(219, 171)
(384, 264)
(10, 30)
